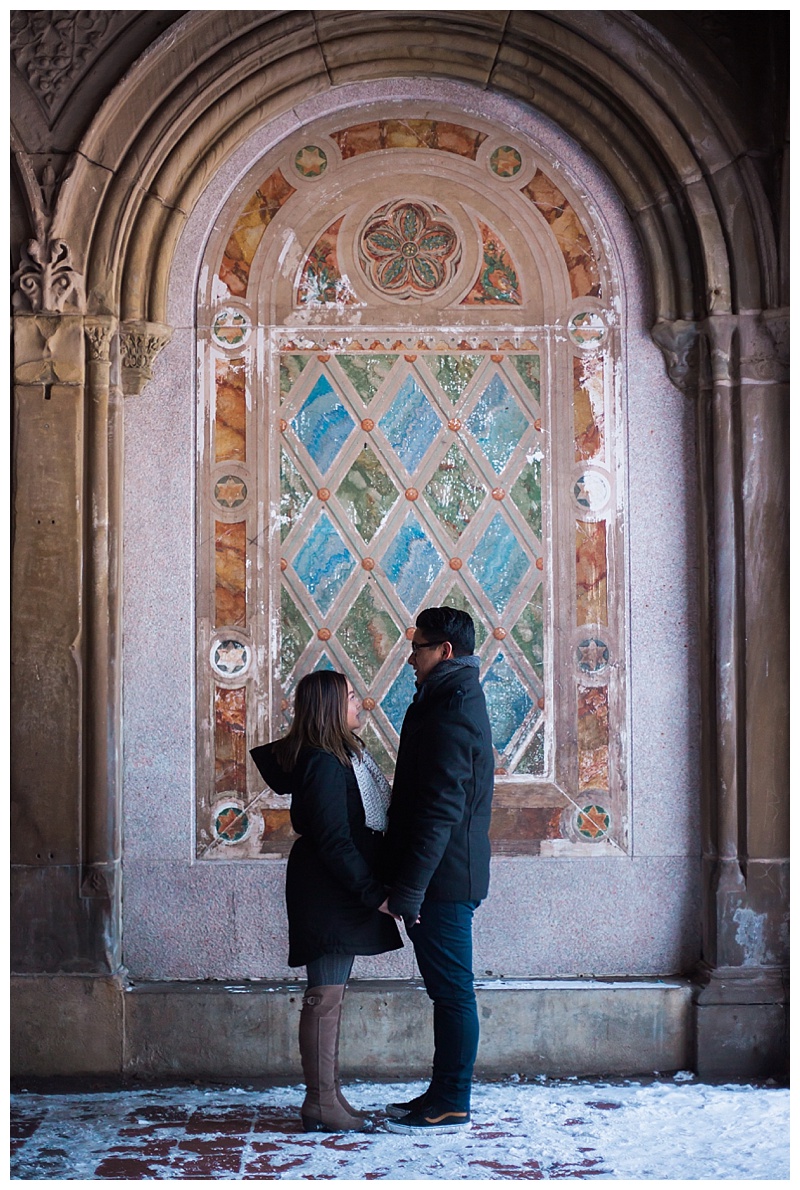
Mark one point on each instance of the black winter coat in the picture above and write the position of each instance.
(437, 843)
(332, 889)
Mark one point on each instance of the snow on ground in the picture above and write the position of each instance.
(675, 1129)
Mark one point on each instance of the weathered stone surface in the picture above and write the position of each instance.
(66, 1024)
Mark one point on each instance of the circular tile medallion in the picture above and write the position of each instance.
(505, 162)
(230, 658)
(592, 822)
(592, 491)
(230, 491)
(311, 161)
(231, 823)
(586, 329)
(591, 655)
(231, 328)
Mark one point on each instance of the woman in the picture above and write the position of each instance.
(339, 803)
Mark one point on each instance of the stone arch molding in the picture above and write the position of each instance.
(146, 161)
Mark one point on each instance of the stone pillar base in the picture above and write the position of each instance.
(741, 1024)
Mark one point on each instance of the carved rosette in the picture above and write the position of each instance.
(46, 278)
(140, 344)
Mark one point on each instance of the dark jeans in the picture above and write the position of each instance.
(443, 946)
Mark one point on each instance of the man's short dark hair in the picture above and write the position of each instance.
(448, 623)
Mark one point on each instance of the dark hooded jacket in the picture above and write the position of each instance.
(437, 843)
(332, 887)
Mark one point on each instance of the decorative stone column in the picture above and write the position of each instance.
(736, 366)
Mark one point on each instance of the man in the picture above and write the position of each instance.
(438, 853)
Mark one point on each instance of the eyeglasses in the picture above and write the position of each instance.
(428, 644)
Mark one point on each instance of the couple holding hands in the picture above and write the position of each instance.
(368, 856)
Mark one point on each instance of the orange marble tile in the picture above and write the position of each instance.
(593, 737)
(250, 227)
(576, 248)
(230, 560)
(525, 824)
(591, 573)
(277, 836)
(497, 283)
(230, 739)
(409, 134)
(587, 404)
(230, 430)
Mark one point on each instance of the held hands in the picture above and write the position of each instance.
(384, 908)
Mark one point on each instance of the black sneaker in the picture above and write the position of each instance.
(398, 1110)
(430, 1119)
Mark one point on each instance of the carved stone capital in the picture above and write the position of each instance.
(140, 344)
(46, 278)
(678, 340)
(99, 333)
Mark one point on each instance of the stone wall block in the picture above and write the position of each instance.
(46, 587)
(48, 349)
(66, 1025)
(54, 928)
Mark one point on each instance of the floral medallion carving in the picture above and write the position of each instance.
(53, 49)
(409, 249)
(46, 277)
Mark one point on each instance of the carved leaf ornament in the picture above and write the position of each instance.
(46, 276)
(52, 49)
(409, 249)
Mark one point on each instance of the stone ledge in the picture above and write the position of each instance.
(249, 1029)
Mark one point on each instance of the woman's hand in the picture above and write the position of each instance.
(384, 908)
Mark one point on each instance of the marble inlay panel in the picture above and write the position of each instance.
(409, 134)
(321, 281)
(291, 368)
(593, 737)
(399, 695)
(295, 634)
(588, 406)
(497, 423)
(528, 823)
(575, 245)
(368, 634)
(527, 494)
(497, 283)
(323, 424)
(249, 230)
(230, 542)
(458, 599)
(230, 739)
(508, 702)
(295, 494)
(367, 493)
(532, 761)
(277, 834)
(230, 430)
(454, 372)
(366, 372)
(528, 632)
(410, 424)
(411, 563)
(454, 492)
(591, 572)
(324, 563)
(499, 563)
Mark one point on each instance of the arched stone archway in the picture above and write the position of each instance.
(98, 274)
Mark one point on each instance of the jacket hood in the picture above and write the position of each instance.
(266, 762)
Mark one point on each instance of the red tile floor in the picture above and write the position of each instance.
(537, 1130)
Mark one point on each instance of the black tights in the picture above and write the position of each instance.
(329, 969)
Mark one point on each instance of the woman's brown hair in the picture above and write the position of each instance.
(320, 720)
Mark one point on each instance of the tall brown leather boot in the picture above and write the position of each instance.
(322, 1110)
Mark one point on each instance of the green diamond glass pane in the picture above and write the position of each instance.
(532, 759)
(528, 632)
(527, 494)
(458, 599)
(366, 372)
(295, 494)
(528, 367)
(367, 494)
(367, 634)
(377, 751)
(454, 492)
(291, 368)
(454, 372)
(295, 634)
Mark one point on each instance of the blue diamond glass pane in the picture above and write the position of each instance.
(324, 663)
(499, 563)
(410, 424)
(411, 563)
(497, 423)
(507, 701)
(323, 424)
(395, 704)
(324, 563)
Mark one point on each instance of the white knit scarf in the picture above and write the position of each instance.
(374, 789)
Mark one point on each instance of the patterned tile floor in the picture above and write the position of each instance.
(538, 1130)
